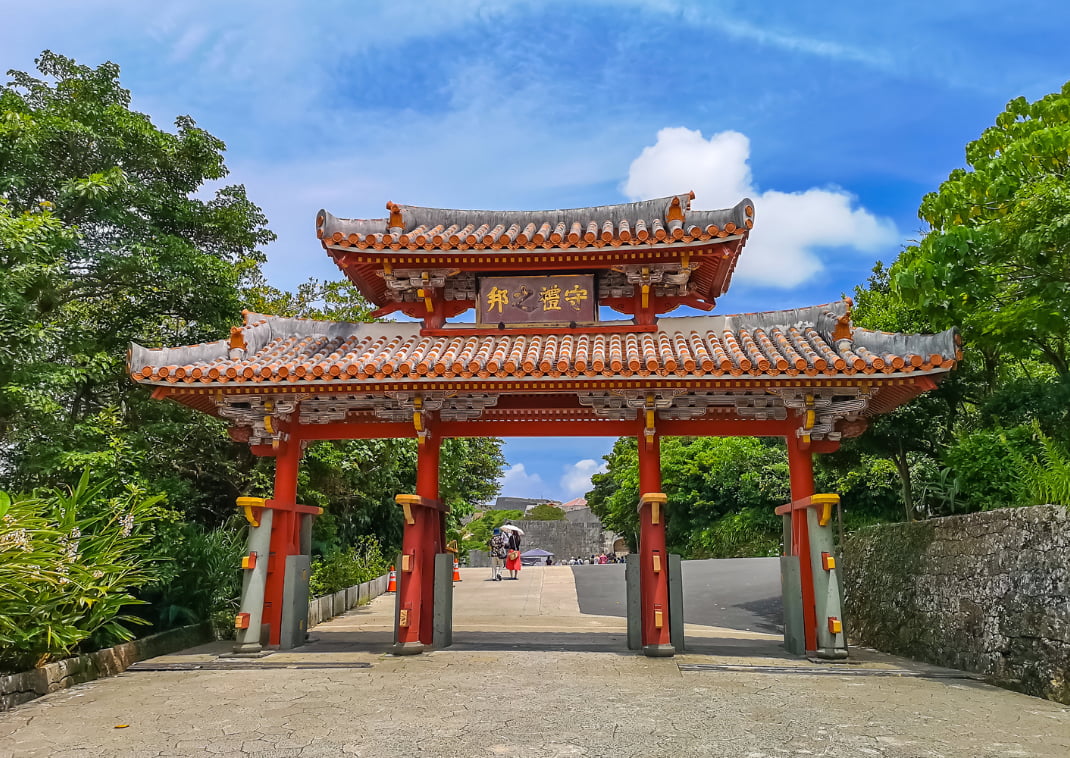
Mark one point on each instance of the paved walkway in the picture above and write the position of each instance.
(530, 675)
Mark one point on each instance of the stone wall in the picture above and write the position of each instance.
(16, 689)
(562, 538)
(986, 592)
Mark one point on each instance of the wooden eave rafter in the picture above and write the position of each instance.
(519, 396)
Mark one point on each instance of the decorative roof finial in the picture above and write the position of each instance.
(844, 330)
(676, 213)
(396, 221)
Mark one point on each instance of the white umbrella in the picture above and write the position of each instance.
(511, 528)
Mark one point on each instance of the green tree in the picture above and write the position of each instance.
(917, 431)
(33, 246)
(476, 534)
(996, 261)
(114, 243)
(722, 493)
(315, 298)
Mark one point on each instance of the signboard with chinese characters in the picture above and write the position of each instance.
(537, 299)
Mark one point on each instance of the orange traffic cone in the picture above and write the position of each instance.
(392, 582)
(456, 572)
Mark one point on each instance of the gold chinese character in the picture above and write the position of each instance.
(497, 297)
(575, 296)
(551, 298)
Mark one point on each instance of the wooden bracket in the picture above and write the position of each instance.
(657, 501)
(408, 502)
(649, 429)
(247, 504)
(824, 501)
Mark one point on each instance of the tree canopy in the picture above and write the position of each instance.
(109, 235)
(996, 261)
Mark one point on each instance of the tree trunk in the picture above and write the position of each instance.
(902, 465)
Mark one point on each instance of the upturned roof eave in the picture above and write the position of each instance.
(668, 245)
(334, 384)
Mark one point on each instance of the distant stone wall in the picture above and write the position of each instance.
(562, 538)
(986, 592)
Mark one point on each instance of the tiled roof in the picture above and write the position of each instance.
(661, 222)
(577, 502)
(816, 342)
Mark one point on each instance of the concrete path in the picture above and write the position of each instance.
(738, 593)
(530, 675)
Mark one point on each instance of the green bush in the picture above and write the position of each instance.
(198, 576)
(344, 568)
(984, 472)
(748, 532)
(1045, 474)
(70, 563)
(476, 534)
(545, 512)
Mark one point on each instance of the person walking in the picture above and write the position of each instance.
(498, 550)
(512, 556)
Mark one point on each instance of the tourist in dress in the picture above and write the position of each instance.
(512, 557)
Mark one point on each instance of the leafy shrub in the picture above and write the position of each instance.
(475, 535)
(984, 474)
(545, 512)
(69, 564)
(359, 563)
(198, 576)
(752, 531)
(1046, 474)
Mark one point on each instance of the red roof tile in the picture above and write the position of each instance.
(780, 343)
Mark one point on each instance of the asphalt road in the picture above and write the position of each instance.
(735, 593)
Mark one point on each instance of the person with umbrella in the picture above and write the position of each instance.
(512, 545)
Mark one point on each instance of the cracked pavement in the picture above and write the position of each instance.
(529, 675)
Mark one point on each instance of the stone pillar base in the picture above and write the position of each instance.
(830, 654)
(659, 651)
(407, 648)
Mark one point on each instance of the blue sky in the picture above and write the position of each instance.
(836, 117)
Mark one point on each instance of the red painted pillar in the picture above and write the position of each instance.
(419, 545)
(427, 465)
(801, 466)
(284, 535)
(653, 559)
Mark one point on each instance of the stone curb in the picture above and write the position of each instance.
(16, 689)
(325, 608)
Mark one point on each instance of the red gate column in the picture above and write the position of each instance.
(284, 535)
(801, 468)
(653, 561)
(421, 539)
(427, 465)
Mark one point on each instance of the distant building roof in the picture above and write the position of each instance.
(577, 502)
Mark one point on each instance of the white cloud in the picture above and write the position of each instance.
(790, 228)
(517, 482)
(576, 481)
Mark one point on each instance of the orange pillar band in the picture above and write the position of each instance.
(801, 467)
(653, 583)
